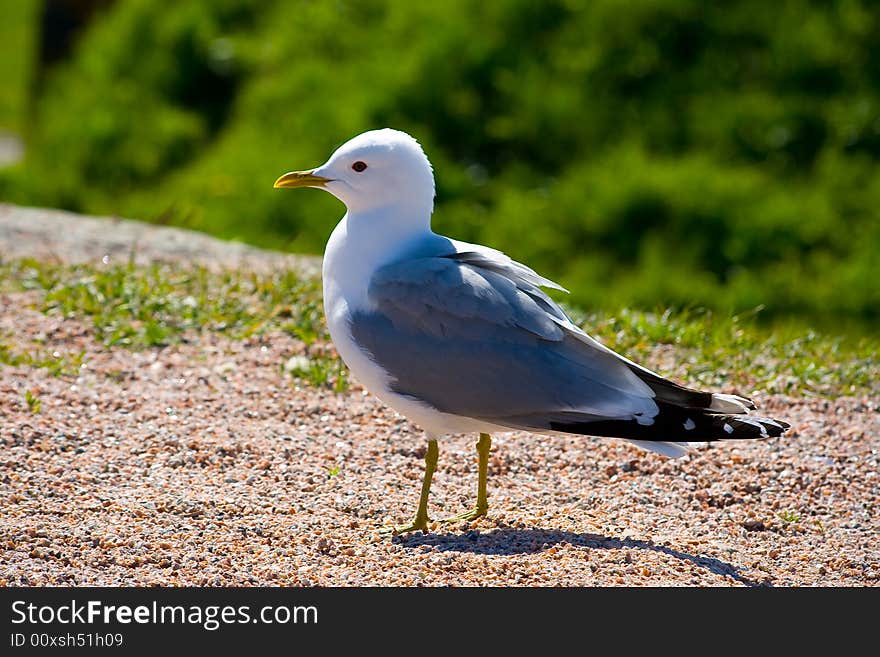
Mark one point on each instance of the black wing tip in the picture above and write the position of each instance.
(734, 427)
(781, 429)
(681, 425)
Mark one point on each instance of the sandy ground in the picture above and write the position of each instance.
(203, 464)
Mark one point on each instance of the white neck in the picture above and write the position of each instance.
(364, 241)
(388, 227)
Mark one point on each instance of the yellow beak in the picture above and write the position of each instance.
(301, 179)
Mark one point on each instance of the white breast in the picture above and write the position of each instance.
(347, 269)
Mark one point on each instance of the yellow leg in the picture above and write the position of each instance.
(421, 519)
(484, 444)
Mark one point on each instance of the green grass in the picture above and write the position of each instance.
(789, 516)
(146, 307)
(321, 369)
(142, 307)
(55, 362)
(150, 307)
(34, 403)
(739, 352)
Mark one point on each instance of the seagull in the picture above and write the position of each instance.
(460, 338)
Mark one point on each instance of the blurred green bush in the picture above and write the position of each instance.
(646, 152)
(17, 53)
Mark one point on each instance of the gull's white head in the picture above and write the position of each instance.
(377, 169)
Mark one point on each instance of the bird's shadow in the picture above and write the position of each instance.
(512, 541)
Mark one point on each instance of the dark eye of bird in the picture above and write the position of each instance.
(359, 166)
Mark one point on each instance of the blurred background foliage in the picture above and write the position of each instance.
(650, 153)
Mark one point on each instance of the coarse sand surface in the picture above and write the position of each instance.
(202, 463)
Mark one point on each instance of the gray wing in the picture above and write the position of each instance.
(476, 337)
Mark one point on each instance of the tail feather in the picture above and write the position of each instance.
(731, 404)
(703, 416)
(684, 416)
(673, 393)
(672, 450)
